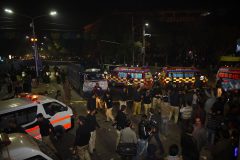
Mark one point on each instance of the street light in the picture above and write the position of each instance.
(34, 39)
(9, 11)
(144, 44)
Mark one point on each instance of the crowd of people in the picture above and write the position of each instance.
(208, 119)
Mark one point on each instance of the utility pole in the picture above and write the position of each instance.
(143, 44)
(133, 54)
(35, 48)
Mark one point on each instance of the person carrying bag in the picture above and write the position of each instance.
(127, 147)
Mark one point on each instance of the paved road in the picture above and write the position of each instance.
(106, 135)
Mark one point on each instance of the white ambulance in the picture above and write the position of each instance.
(24, 110)
(19, 146)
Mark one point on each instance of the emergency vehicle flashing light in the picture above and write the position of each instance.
(29, 96)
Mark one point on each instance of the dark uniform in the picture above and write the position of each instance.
(46, 129)
(82, 139)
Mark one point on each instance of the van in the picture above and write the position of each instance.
(124, 76)
(84, 79)
(24, 110)
(185, 75)
(19, 146)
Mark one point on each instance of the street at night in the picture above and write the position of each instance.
(119, 80)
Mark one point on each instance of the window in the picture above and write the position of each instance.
(4, 120)
(21, 117)
(38, 157)
(53, 107)
(138, 75)
(122, 75)
(175, 74)
(189, 74)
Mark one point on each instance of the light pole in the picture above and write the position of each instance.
(144, 43)
(36, 56)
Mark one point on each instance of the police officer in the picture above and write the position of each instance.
(92, 124)
(137, 101)
(97, 91)
(121, 120)
(123, 97)
(147, 100)
(109, 106)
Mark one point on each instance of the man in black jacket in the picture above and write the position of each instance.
(155, 123)
(46, 129)
(121, 120)
(82, 139)
(144, 133)
(92, 125)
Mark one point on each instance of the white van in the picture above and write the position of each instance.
(19, 146)
(24, 110)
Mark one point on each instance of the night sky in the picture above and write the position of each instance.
(78, 13)
(74, 15)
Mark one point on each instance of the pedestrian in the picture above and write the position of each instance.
(67, 91)
(211, 125)
(59, 96)
(200, 134)
(123, 97)
(97, 91)
(174, 102)
(137, 101)
(46, 129)
(173, 153)
(91, 102)
(128, 135)
(93, 125)
(144, 133)
(186, 112)
(223, 149)
(13, 127)
(81, 143)
(63, 75)
(182, 94)
(147, 101)
(155, 124)
(121, 120)
(200, 113)
(128, 141)
(195, 101)
(109, 106)
(151, 152)
(157, 94)
(189, 145)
